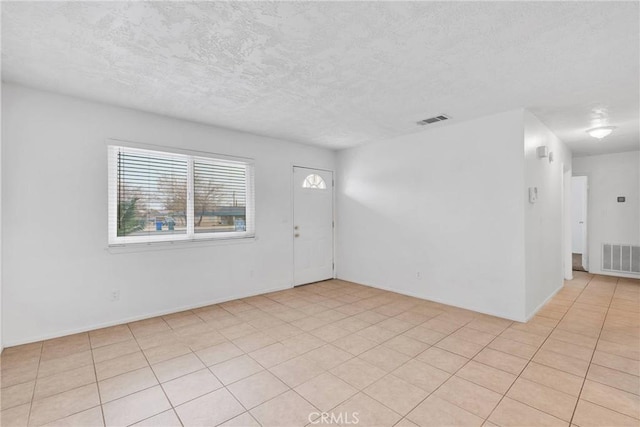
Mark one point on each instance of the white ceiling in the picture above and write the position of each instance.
(340, 74)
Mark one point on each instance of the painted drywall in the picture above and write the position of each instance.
(578, 214)
(58, 272)
(543, 220)
(438, 215)
(610, 176)
(568, 255)
(1, 341)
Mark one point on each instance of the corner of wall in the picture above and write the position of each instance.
(528, 316)
(544, 219)
(1, 342)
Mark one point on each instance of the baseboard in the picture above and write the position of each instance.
(543, 303)
(438, 300)
(140, 317)
(615, 274)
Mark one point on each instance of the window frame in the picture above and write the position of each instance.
(321, 185)
(113, 145)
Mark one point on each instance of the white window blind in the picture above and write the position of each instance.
(157, 196)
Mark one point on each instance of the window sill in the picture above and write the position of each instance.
(177, 244)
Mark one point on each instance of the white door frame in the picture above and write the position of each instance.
(585, 233)
(333, 217)
(585, 227)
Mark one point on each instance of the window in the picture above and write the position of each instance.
(157, 196)
(314, 181)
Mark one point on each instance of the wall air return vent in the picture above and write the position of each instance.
(621, 258)
(431, 120)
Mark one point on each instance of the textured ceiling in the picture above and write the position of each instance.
(339, 74)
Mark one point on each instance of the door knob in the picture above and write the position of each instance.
(297, 235)
(295, 228)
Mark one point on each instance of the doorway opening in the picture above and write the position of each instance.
(579, 237)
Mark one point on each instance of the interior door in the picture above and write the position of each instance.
(579, 217)
(312, 225)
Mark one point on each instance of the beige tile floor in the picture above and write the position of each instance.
(346, 350)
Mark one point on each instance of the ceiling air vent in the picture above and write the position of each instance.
(432, 120)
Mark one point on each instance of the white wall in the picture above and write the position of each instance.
(543, 220)
(1, 273)
(568, 254)
(57, 270)
(447, 203)
(610, 176)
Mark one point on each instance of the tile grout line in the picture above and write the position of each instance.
(292, 389)
(95, 372)
(61, 392)
(75, 388)
(381, 344)
(191, 351)
(398, 367)
(531, 359)
(325, 343)
(134, 338)
(604, 321)
(378, 344)
(584, 379)
(471, 359)
(225, 386)
(413, 358)
(289, 388)
(450, 374)
(472, 382)
(449, 351)
(484, 347)
(35, 383)
(157, 379)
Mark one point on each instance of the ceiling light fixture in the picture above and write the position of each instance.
(601, 132)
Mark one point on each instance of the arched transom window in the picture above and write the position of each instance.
(314, 181)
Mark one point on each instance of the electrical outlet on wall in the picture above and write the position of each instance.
(418, 275)
(115, 295)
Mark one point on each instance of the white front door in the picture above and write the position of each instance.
(312, 225)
